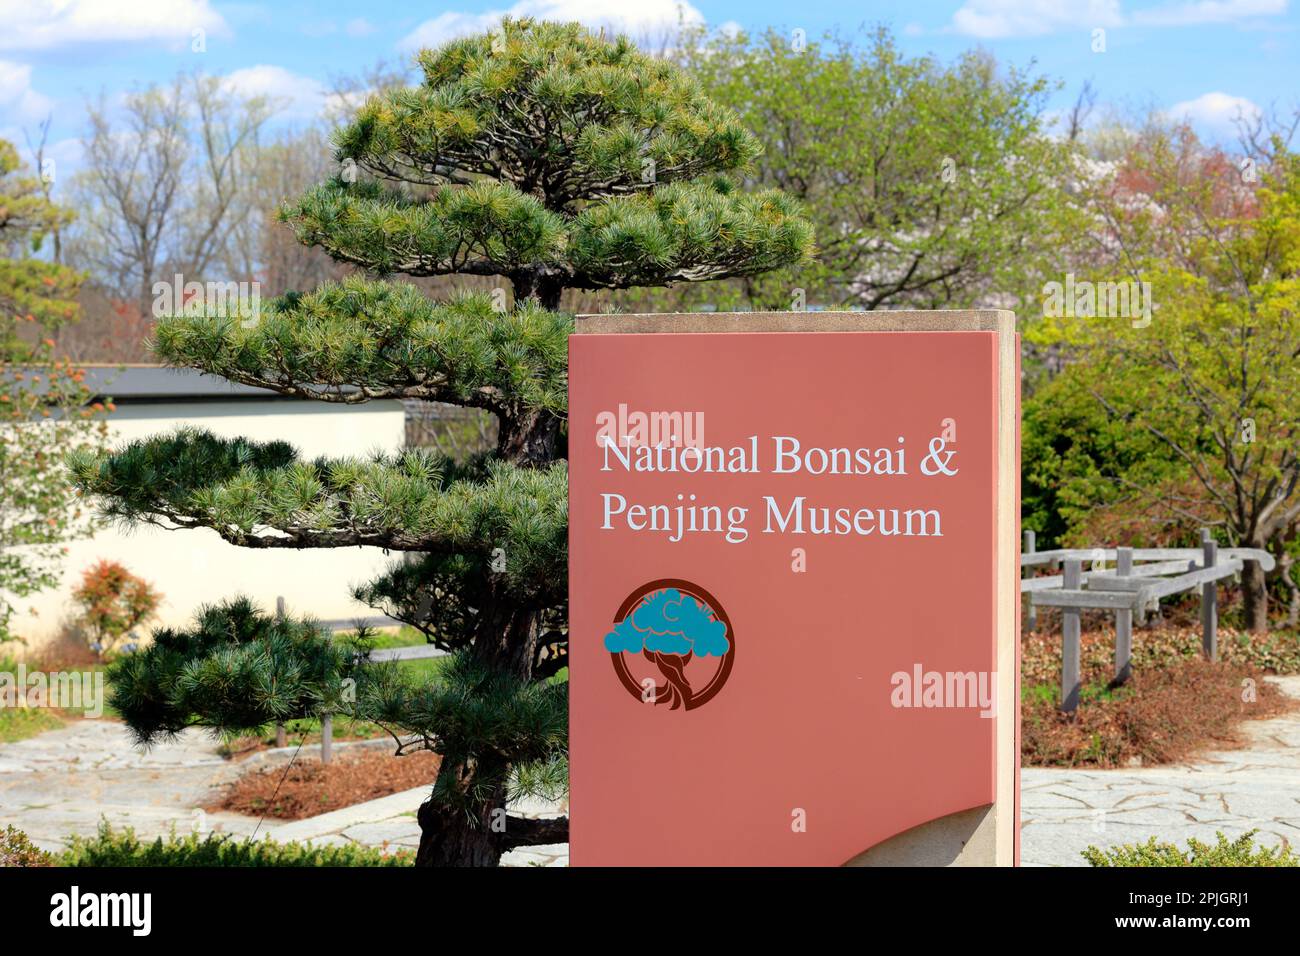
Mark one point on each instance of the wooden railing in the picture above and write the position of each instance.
(1129, 589)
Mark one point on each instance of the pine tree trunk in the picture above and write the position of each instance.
(1255, 594)
(505, 642)
(533, 438)
(534, 284)
(453, 839)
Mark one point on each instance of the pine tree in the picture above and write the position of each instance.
(538, 153)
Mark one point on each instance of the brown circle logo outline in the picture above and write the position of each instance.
(697, 699)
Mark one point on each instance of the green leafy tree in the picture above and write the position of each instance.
(550, 159)
(1088, 478)
(43, 398)
(34, 292)
(931, 185)
(1211, 385)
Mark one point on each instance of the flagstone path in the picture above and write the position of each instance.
(64, 782)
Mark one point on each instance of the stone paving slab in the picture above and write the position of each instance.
(394, 807)
(64, 782)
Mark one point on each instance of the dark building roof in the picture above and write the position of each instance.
(145, 384)
(155, 383)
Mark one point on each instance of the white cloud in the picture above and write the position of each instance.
(646, 18)
(66, 152)
(1214, 113)
(1208, 11)
(359, 27)
(297, 95)
(993, 19)
(44, 24)
(18, 101)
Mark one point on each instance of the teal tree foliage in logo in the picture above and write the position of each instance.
(670, 628)
(671, 623)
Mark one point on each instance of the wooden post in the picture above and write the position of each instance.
(1070, 640)
(281, 734)
(1209, 601)
(1032, 619)
(1123, 622)
(326, 738)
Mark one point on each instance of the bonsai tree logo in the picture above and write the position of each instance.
(670, 624)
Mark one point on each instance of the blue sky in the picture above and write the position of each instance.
(1205, 59)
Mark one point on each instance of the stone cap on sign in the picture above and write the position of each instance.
(902, 320)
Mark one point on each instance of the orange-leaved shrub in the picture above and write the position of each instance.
(114, 602)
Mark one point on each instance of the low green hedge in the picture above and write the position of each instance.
(111, 847)
(1239, 852)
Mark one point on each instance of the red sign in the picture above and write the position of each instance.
(786, 559)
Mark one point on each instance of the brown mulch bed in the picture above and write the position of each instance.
(310, 788)
(1175, 704)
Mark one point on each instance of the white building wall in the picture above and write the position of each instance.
(194, 567)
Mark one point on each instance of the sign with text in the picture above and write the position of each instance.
(793, 586)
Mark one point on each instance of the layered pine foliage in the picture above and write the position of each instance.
(557, 160)
(684, 231)
(361, 339)
(262, 495)
(236, 670)
(545, 156)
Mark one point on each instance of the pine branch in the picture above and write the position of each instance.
(527, 831)
(683, 231)
(476, 714)
(359, 340)
(483, 229)
(260, 495)
(443, 597)
(235, 671)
